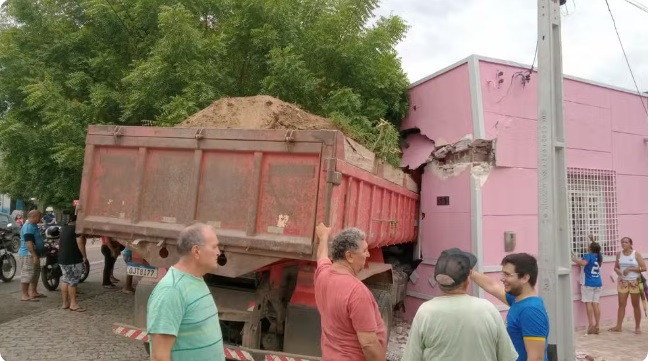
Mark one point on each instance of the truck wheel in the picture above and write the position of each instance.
(384, 300)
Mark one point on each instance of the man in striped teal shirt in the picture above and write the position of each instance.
(182, 318)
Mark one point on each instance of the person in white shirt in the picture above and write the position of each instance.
(628, 265)
(457, 326)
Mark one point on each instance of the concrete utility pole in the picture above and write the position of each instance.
(554, 229)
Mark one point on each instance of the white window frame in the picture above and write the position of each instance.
(592, 206)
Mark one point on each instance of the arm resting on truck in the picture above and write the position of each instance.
(81, 243)
(371, 346)
(490, 285)
(323, 232)
(161, 347)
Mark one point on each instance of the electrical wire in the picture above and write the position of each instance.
(626, 58)
(534, 60)
(637, 5)
(525, 78)
(130, 34)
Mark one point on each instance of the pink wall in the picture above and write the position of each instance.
(442, 227)
(440, 107)
(605, 129)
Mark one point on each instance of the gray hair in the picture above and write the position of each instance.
(192, 236)
(346, 240)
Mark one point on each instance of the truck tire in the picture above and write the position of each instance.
(384, 300)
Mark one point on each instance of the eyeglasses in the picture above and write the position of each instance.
(507, 275)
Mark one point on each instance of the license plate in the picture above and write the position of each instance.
(43, 261)
(141, 271)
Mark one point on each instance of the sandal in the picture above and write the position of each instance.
(615, 329)
(39, 295)
(30, 300)
(78, 309)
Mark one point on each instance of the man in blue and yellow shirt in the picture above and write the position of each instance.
(528, 324)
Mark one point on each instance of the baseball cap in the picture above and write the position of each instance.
(453, 267)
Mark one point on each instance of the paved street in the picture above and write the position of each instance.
(614, 346)
(42, 331)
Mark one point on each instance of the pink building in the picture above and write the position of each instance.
(478, 197)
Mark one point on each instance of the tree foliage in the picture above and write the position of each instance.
(66, 64)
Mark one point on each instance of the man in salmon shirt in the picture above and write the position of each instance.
(352, 328)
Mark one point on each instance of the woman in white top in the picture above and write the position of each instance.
(628, 265)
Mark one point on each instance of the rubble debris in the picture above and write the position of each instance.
(397, 339)
(584, 356)
(464, 151)
(452, 159)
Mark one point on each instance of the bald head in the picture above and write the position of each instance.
(34, 216)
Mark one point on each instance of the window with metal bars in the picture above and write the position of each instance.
(593, 209)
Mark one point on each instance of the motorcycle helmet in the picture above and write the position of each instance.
(52, 232)
(49, 209)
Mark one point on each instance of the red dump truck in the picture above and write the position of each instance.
(264, 191)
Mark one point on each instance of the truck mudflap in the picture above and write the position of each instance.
(231, 352)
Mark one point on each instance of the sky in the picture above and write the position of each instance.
(443, 32)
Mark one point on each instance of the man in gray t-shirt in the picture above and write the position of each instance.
(456, 326)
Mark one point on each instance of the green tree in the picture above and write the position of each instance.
(66, 64)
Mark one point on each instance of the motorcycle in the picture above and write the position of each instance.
(11, 235)
(50, 269)
(7, 260)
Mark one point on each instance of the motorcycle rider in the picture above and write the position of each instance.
(49, 218)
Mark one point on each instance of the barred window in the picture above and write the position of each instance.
(593, 209)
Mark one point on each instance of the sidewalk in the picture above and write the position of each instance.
(613, 346)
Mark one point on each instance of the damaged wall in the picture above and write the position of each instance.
(441, 107)
(476, 156)
(605, 129)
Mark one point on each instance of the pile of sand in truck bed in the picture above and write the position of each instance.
(256, 112)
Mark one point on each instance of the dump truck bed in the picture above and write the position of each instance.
(263, 190)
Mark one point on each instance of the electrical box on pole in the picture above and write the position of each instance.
(554, 283)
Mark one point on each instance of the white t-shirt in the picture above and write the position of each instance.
(459, 327)
(629, 262)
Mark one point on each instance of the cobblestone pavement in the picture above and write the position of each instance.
(43, 331)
